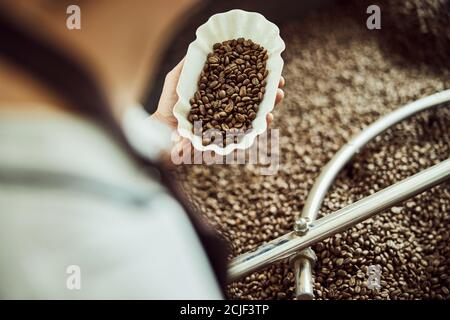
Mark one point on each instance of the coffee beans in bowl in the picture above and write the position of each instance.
(230, 88)
(229, 82)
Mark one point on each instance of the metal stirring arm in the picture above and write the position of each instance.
(328, 174)
(308, 232)
(290, 244)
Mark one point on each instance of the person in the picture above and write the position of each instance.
(85, 214)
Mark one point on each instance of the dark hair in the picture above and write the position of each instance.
(73, 83)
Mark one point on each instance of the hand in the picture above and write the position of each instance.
(169, 97)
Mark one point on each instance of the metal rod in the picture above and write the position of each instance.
(340, 159)
(289, 244)
(304, 283)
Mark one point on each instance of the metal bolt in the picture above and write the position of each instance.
(301, 226)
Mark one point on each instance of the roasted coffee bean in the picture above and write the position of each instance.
(230, 78)
(213, 84)
(229, 107)
(243, 91)
(213, 59)
(240, 117)
(230, 91)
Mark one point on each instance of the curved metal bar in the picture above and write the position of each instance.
(328, 174)
(288, 245)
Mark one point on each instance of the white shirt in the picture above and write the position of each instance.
(71, 200)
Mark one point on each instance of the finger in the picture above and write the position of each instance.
(174, 74)
(269, 118)
(169, 92)
(282, 82)
(279, 96)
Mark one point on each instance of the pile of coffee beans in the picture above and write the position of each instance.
(231, 86)
(339, 79)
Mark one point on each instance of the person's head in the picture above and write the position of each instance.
(120, 41)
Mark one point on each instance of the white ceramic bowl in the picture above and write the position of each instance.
(220, 27)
